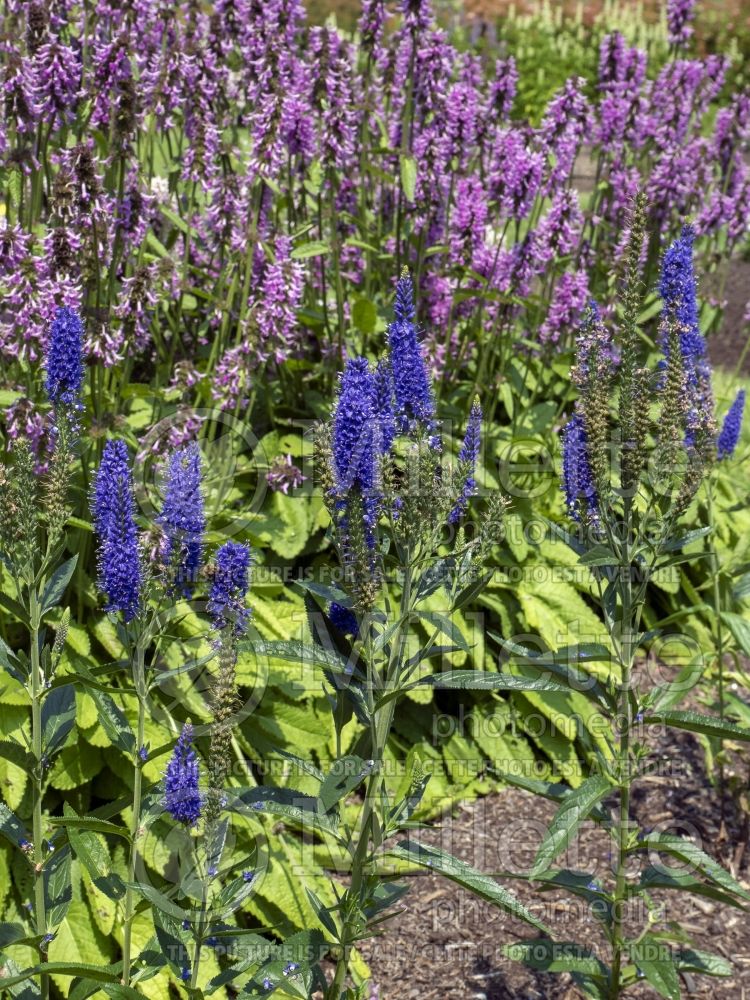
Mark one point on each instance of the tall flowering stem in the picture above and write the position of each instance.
(625, 511)
(121, 581)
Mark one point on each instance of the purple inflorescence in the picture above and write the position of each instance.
(231, 580)
(411, 382)
(729, 435)
(468, 458)
(64, 363)
(182, 797)
(113, 509)
(182, 518)
(578, 478)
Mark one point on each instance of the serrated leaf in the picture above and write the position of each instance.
(346, 774)
(464, 875)
(58, 717)
(55, 587)
(113, 722)
(656, 962)
(574, 808)
(685, 850)
(694, 722)
(556, 956)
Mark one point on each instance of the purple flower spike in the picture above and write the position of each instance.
(231, 580)
(113, 508)
(64, 363)
(578, 479)
(730, 430)
(468, 457)
(182, 518)
(182, 797)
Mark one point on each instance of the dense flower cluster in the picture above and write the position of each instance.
(182, 518)
(182, 797)
(577, 476)
(729, 435)
(468, 459)
(113, 510)
(229, 587)
(64, 359)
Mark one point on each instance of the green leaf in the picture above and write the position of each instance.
(58, 889)
(113, 722)
(92, 823)
(10, 827)
(408, 176)
(685, 850)
(64, 969)
(669, 694)
(655, 960)
(574, 808)
(315, 248)
(690, 960)
(464, 875)
(740, 629)
(599, 555)
(345, 775)
(483, 680)
(660, 877)
(691, 536)
(289, 803)
(442, 623)
(57, 583)
(364, 316)
(556, 956)
(694, 722)
(58, 717)
(298, 652)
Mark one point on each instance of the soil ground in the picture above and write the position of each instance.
(446, 945)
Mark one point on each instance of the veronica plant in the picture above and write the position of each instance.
(34, 509)
(396, 509)
(629, 515)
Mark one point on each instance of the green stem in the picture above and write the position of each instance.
(139, 679)
(37, 688)
(627, 652)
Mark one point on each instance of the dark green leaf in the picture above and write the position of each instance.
(655, 960)
(345, 775)
(58, 717)
(690, 853)
(464, 875)
(57, 583)
(690, 960)
(574, 808)
(696, 723)
(113, 722)
(556, 956)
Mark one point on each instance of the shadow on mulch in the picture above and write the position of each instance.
(447, 945)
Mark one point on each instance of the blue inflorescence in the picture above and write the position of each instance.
(113, 509)
(182, 517)
(578, 479)
(415, 404)
(229, 588)
(730, 430)
(182, 797)
(468, 456)
(64, 362)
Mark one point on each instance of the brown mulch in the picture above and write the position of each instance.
(447, 944)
